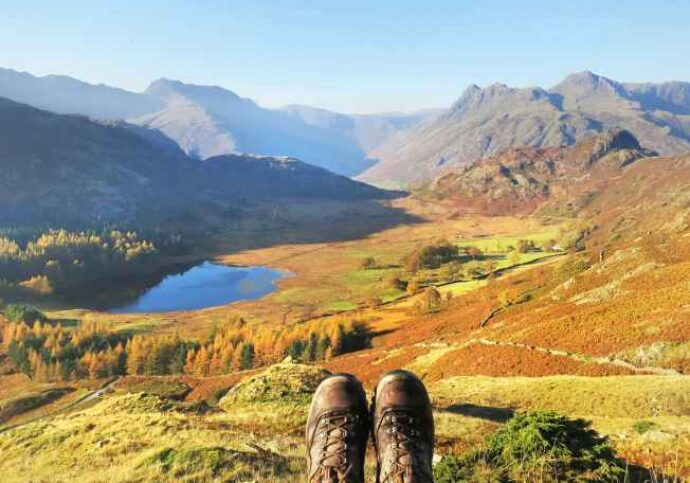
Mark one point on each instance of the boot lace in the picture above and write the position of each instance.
(403, 451)
(332, 434)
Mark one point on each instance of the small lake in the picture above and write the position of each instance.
(205, 285)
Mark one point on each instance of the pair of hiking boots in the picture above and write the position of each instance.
(400, 421)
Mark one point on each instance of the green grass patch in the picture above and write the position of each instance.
(459, 288)
(501, 243)
(340, 306)
(135, 327)
(391, 294)
(643, 426)
(292, 295)
(163, 387)
(367, 277)
(215, 462)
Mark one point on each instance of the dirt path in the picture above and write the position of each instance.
(78, 403)
(612, 361)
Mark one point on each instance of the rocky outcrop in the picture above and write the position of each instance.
(522, 179)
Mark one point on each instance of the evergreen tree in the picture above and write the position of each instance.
(247, 358)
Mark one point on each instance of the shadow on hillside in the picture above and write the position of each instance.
(311, 221)
(497, 415)
(641, 474)
(64, 322)
(259, 226)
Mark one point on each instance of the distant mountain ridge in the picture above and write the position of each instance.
(207, 121)
(386, 149)
(61, 170)
(66, 95)
(486, 121)
(369, 130)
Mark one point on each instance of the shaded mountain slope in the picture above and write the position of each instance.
(270, 177)
(69, 169)
(484, 122)
(59, 167)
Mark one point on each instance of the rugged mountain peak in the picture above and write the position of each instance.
(170, 90)
(487, 121)
(494, 95)
(585, 79)
(581, 85)
(466, 98)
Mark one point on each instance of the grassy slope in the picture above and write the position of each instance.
(130, 437)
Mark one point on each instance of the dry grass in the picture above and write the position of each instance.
(126, 438)
(615, 405)
(136, 437)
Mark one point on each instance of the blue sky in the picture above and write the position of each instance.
(351, 56)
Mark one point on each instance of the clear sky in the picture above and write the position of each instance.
(350, 55)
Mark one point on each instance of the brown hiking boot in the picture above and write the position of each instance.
(403, 429)
(337, 431)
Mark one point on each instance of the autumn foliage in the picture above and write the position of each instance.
(49, 352)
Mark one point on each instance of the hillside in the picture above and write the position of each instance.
(487, 121)
(614, 303)
(556, 179)
(69, 169)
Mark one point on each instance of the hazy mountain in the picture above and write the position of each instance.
(65, 95)
(523, 179)
(486, 121)
(69, 169)
(368, 130)
(207, 121)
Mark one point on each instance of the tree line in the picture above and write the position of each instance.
(59, 259)
(47, 351)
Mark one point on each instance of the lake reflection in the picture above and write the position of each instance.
(206, 285)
